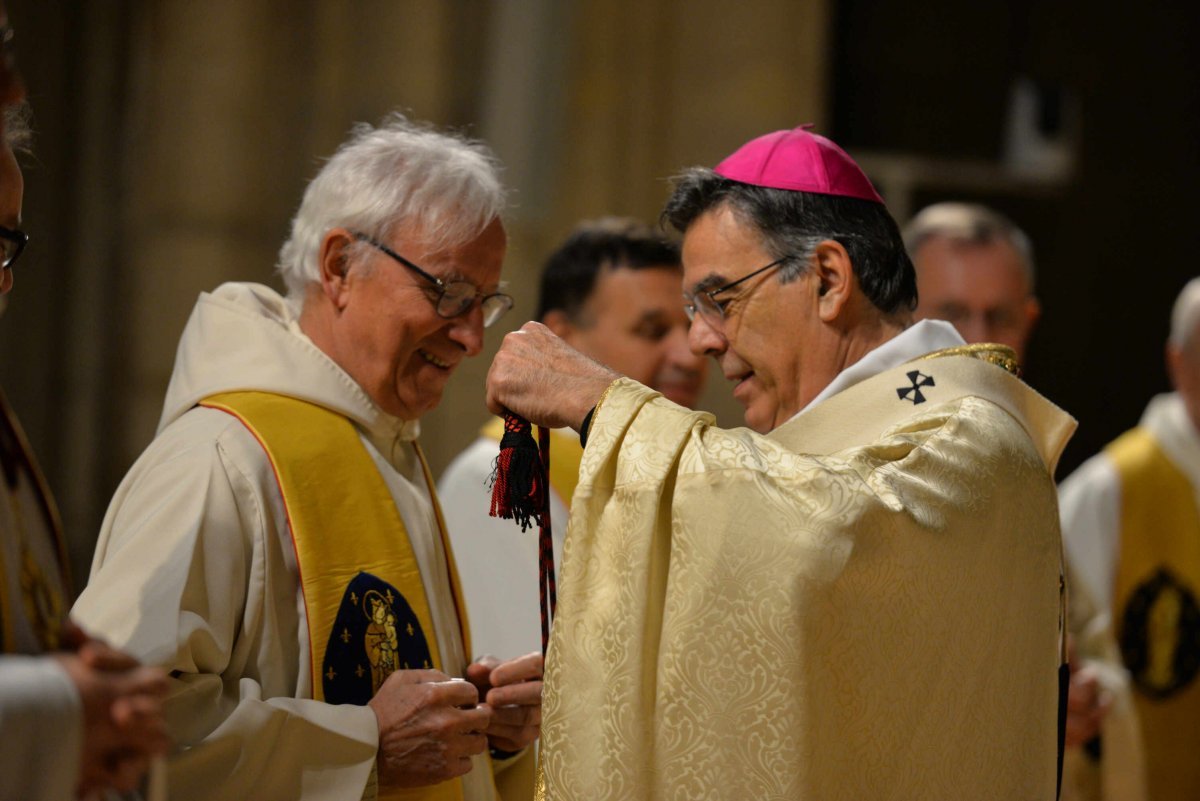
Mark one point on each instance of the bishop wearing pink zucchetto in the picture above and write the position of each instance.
(855, 596)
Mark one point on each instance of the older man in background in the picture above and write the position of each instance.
(975, 271)
(76, 716)
(822, 606)
(279, 545)
(1131, 525)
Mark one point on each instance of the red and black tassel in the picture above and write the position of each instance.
(521, 492)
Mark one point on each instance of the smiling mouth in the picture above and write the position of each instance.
(434, 360)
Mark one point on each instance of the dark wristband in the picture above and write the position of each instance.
(585, 425)
(500, 755)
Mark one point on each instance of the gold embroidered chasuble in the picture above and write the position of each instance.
(365, 601)
(863, 604)
(1155, 613)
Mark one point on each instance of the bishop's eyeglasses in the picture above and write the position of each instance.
(454, 297)
(13, 242)
(705, 301)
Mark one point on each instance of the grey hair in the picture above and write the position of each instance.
(444, 187)
(968, 223)
(1185, 315)
(18, 130)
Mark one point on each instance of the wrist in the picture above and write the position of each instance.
(585, 425)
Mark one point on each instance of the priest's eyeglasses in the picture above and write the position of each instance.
(706, 303)
(454, 297)
(13, 242)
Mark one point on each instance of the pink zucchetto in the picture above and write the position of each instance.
(800, 161)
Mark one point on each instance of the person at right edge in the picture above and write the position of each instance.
(859, 596)
(1131, 526)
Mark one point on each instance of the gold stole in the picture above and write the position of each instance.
(565, 456)
(344, 523)
(44, 589)
(1155, 592)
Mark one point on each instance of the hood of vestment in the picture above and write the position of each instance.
(244, 336)
(865, 410)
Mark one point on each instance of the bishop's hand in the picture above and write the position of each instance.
(513, 691)
(540, 377)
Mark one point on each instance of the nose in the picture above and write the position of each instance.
(974, 329)
(466, 330)
(704, 339)
(679, 351)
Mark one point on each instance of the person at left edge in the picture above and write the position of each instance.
(279, 546)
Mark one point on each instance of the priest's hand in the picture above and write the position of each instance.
(513, 690)
(543, 379)
(429, 727)
(1087, 705)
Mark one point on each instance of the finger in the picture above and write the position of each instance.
(469, 743)
(515, 741)
(479, 673)
(416, 677)
(99, 655)
(486, 662)
(528, 693)
(148, 681)
(455, 692)
(473, 720)
(523, 668)
(511, 718)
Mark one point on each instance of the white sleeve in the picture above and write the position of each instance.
(188, 575)
(497, 562)
(1089, 502)
(41, 730)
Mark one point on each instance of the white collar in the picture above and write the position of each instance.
(1166, 418)
(916, 340)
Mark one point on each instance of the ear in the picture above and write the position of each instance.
(558, 322)
(835, 280)
(333, 262)
(1174, 360)
(1033, 312)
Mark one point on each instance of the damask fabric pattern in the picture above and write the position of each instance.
(766, 617)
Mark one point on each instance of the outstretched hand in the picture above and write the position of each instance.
(540, 377)
(513, 691)
(122, 704)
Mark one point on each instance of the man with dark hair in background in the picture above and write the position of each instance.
(611, 290)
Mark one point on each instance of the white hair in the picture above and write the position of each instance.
(1185, 315)
(443, 187)
(968, 223)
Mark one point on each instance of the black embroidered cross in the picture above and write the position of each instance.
(918, 380)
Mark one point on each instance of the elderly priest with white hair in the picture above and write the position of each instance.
(1131, 525)
(857, 596)
(279, 545)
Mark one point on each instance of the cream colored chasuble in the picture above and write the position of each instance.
(864, 604)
